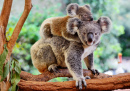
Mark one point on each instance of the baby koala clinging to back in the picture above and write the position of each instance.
(58, 25)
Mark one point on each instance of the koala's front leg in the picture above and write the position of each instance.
(73, 62)
(90, 63)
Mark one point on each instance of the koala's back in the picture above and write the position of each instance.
(58, 25)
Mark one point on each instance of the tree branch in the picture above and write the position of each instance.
(27, 8)
(101, 82)
(46, 76)
(4, 17)
(5, 13)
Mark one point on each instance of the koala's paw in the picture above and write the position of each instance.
(94, 71)
(53, 68)
(79, 82)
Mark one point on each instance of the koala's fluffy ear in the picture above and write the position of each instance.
(87, 6)
(72, 25)
(105, 24)
(72, 9)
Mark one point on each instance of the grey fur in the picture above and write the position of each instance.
(88, 6)
(72, 24)
(103, 25)
(105, 22)
(72, 9)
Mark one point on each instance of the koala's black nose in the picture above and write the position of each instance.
(79, 22)
(91, 19)
(90, 37)
(90, 40)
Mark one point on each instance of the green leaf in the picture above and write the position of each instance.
(2, 59)
(6, 71)
(14, 80)
(14, 87)
(15, 74)
(17, 66)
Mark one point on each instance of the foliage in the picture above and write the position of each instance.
(4, 72)
(10, 67)
(124, 17)
(15, 71)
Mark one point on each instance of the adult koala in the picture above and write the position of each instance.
(56, 51)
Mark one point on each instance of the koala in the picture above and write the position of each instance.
(89, 33)
(56, 51)
(57, 25)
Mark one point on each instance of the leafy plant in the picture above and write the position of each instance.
(15, 71)
(10, 67)
(4, 72)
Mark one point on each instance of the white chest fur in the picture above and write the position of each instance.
(88, 50)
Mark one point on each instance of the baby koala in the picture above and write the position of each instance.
(57, 25)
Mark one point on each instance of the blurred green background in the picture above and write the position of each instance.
(118, 40)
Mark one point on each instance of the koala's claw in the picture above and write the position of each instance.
(87, 77)
(94, 71)
(79, 83)
(53, 68)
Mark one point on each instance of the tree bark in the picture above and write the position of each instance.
(4, 17)
(102, 81)
(19, 25)
(46, 76)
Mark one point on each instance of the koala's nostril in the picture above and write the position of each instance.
(90, 37)
(79, 22)
(91, 19)
(90, 40)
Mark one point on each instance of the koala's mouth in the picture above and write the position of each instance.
(90, 39)
(89, 43)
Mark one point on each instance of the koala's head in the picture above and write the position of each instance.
(81, 12)
(89, 32)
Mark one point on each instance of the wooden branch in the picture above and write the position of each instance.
(46, 76)
(2, 40)
(27, 8)
(4, 17)
(34, 83)
(5, 13)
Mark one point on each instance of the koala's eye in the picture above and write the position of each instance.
(96, 33)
